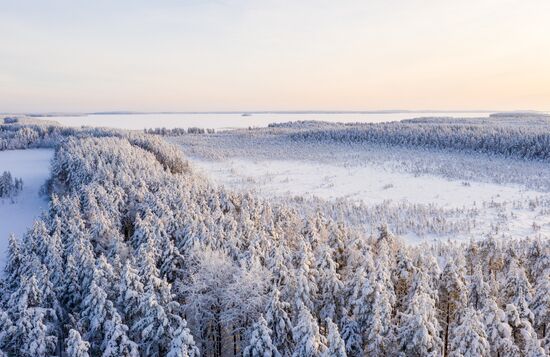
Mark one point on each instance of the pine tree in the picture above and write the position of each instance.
(76, 346)
(105, 276)
(308, 341)
(130, 290)
(306, 277)
(499, 333)
(336, 240)
(363, 293)
(182, 344)
(153, 328)
(479, 290)
(330, 300)
(147, 265)
(379, 338)
(517, 290)
(469, 337)
(13, 265)
(72, 291)
(351, 336)
(419, 330)
(540, 305)
(278, 321)
(116, 341)
(38, 342)
(7, 330)
(260, 343)
(94, 314)
(403, 273)
(335, 344)
(53, 258)
(171, 259)
(523, 333)
(452, 299)
(30, 335)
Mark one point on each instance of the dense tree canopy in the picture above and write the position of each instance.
(137, 255)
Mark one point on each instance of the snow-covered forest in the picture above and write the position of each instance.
(501, 134)
(138, 255)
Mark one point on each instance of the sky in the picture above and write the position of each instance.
(168, 55)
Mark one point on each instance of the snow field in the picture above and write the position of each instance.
(500, 208)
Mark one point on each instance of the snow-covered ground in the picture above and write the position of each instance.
(33, 166)
(370, 184)
(236, 120)
(483, 207)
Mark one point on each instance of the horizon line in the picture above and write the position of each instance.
(382, 111)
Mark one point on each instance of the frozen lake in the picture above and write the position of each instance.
(33, 166)
(237, 120)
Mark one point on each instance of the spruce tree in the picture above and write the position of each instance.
(260, 343)
(182, 344)
(419, 331)
(278, 320)
(308, 341)
(469, 338)
(76, 346)
(335, 344)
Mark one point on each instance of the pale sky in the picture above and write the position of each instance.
(144, 55)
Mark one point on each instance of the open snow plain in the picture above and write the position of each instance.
(423, 194)
(33, 166)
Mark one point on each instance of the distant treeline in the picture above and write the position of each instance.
(178, 131)
(516, 141)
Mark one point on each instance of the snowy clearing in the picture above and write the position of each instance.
(489, 208)
(33, 166)
(370, 184)
(422, 194)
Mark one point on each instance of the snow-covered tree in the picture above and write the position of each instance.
(478, 290)
(335, 344)
(278, 320)
(130, 290)
(94, 314)
(330, 298)
(419, 331)
(523, 333)
(116, 341)
(540, 305)
(38, 341)
(351, 335)
(499, 332)
(452, 299)
(518, 291)
(7, 330)
(76, 346)
(469, 338)
(260, 343)
(306, 277)
(182, 344)
(308, 341)
(154, 328)
(13, 265)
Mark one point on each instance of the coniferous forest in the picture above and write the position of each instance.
(138, 255)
